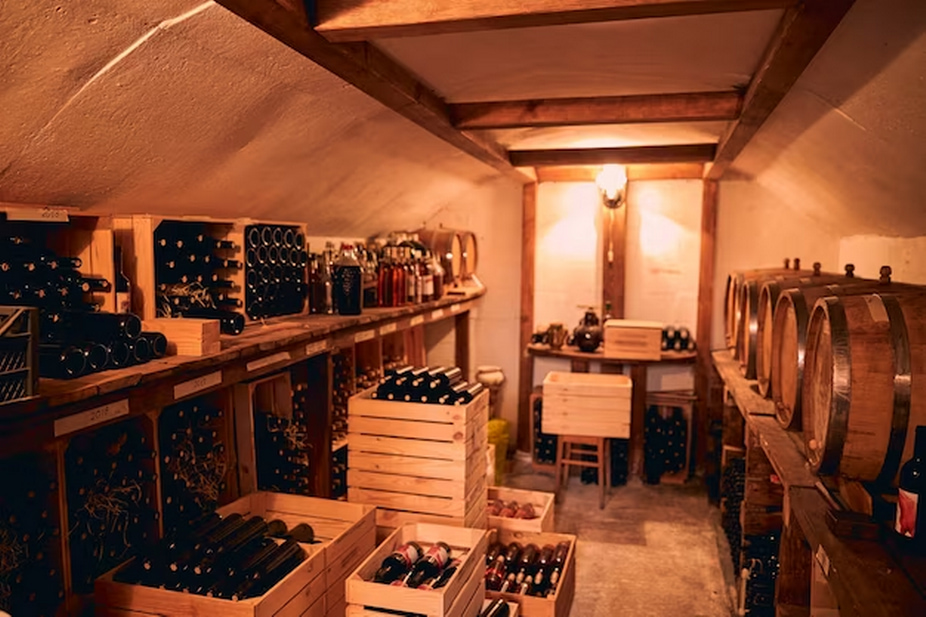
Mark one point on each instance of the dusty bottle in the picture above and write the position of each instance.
(398, 563)
(429, 566)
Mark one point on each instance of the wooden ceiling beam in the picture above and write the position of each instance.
(681, 107)
(352, 20)
(368, 69)
(801, 33)
(689, 153)
(588, 173)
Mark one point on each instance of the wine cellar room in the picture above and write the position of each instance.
(324, 308)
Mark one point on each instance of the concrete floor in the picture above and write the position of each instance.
(653, 551)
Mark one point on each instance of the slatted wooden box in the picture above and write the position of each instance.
(632, 340)
(348, 535)
(543, 506)
(560, 602)
(587, 404)
(461, 597)
(417, 462)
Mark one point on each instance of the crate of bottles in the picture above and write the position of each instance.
(338, 537)
(418, 462)
(519, 510)
(517, 560)
(19, 371)
(422, 569)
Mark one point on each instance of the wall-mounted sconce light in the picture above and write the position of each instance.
(612, 183)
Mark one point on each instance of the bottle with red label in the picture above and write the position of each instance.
(400, 562)
(910, 521)
(429, 566)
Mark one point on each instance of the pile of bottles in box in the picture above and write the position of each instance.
(510, 509)
(675, 338)
(525, 570)
(76, 336)
(439, 385)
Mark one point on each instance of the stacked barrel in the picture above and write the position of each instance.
(842, 357)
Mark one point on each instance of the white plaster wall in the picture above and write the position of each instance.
(493, 212)
(905, 256)
(755, 229)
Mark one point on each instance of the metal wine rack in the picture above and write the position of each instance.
(275, 268)
(18, 353)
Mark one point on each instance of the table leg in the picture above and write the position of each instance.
(637, 416)
(579, 365)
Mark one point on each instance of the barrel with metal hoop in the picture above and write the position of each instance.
(470, 254)
(448, 248)
(865, 383)
(732, 310)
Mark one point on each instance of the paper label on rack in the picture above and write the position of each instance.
(264, 362)
(437, 314)
(388, 329)
(823, 559)
(876, 309)
(417, 320)
(364, 336)
(39, 215)
(313, 349)
(91, 417)
(195, 385)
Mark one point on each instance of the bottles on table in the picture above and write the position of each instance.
(677, 339)
(275, 261)
(347, 284)
(439, 385)
(409, 565)
(511, 509)
(526, 570)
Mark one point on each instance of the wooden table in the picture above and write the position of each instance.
(580, 361)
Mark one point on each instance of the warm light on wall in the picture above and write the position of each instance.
(612, 183)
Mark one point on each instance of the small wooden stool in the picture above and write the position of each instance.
(571, 445)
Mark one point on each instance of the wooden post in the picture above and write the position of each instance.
(637, 418)
(526, 368)
(792, 588)
(705, 311)
(461, 343)
(614, 242)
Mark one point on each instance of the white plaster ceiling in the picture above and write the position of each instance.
(646, 56)
(608, 135)
(207, 115)
(847, 146)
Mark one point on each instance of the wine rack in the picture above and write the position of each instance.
(31, 573)
(344, 379)
(111, 497)
(195, 268)
(275, 272)
(196, 460)
(760, 560)
(545, 445)
(666, 439)
(339, 473)
(18, 353)
(732, 489)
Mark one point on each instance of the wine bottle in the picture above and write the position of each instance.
(101, 326)
(445, 377)
(399, 563)
(62, 361)
(123, 286)
(429, 566)
(228, 264)
(446, 574)
(495, 575)
(684, 339)
(497, 608)
(97, 356)
(266, 235)
(139, 349)
(302, 533)
(91, 284)
(157, 341)
(119, 353)
(230, 321)
(273, 569)
(466, 392)
(226, 245)
(910, 519)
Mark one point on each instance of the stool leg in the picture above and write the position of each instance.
(558, 463)
(607, 466)
(601, 476)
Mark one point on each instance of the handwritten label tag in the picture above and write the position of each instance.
(368, 335)
(39, 215)
(387, 329)
(823, 559)
(876, 309)
(263, 362)
(437, 314)
(313, 349)
(456, 308)
(417, 320)
(91, 417)
(195, 385)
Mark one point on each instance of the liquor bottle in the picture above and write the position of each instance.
(348, 283)
(123, 286)
(399, 563)
(910, 520)
(399, 284)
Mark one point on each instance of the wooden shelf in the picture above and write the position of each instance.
(598, 355)
(862, 575)
(262, 348)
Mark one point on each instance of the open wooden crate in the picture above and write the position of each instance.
(543, 506)
(347, 533)
(560, 602)
(417, 462)
(461, 597)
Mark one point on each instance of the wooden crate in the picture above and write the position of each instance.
(347, 532)
(187, 336)
(543, 506)
(461, 597)
(632, 340)
(587, 404)
(556, 605)
(418, 462)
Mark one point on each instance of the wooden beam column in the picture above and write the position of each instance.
(526, 369)
(704, 367)
(613, 247)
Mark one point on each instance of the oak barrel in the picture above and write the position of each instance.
(768, 298)
(447, 247)
(470, 254)
(732, 295)
(789, 336)
(865, 383)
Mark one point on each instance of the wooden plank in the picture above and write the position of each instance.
(349, 20)
(412, 430)
(803, 30)
(407, 465)
(701, 420)
(681, 107)
(405, 447)
(526, 327)
(862, 576)
(637, 419)
(687, 153)
(374, 73)
(406, 484)
(588, 173)
(461, 342)
(614, 257)
(793, 585)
